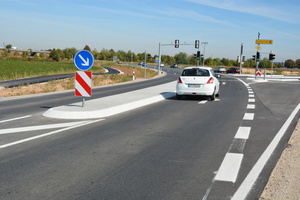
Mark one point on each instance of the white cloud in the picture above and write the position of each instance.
(281, 12)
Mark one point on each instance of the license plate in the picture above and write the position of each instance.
(194, 85)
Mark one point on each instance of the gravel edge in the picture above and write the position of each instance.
(284, 182)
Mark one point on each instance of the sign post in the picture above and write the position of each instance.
(83, 60)
(258, 47)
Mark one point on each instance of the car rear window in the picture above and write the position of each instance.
(195, 72)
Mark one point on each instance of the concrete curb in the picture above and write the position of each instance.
(80, 113)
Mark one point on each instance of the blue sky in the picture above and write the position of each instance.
(139, 25)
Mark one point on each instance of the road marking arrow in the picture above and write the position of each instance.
(85, 62)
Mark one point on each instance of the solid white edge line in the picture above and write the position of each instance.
(251, 178)
(47, 134)
(230, 167)
(17, 118)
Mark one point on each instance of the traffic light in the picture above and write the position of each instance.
(257, 56)
(176, 43)
(198, 55)
(271, 56)
(197, 44)
(253, 57)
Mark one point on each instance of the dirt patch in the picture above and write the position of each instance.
(284, 182)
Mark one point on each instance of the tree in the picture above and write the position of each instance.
(209, 62)
(265, 63)
(56, 54)
(87, 48)
(290, 63)
(249, 63)
(69, 53)
(9, 46)
(298, 63)
(181, 58)
(225, 62)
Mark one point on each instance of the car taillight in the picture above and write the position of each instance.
(179, 80)
(210, 80)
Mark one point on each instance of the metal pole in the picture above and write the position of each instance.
(271, 66)
(145, 65)
(83, 100)
(241, 57)
(257, 62)
(204, 51)
(159, 59)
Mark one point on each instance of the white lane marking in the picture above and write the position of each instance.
(17, 118)
(251, 95)
(41, 127)
(243, 132)
(251, 100)
(251, 178)
(251, 106)
(248, 116)
(202, 102)
(230, 167)
(47, 134)
(223, 83)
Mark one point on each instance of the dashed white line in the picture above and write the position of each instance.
(230, 167)
(248, 116)
(243, 132)
(251, 100)
(202, 102)
(251, 106)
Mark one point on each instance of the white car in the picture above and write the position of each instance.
(198, 81)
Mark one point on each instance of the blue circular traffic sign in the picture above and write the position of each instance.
(84, 60)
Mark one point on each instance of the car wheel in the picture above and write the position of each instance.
(179, 97)
(213, 96)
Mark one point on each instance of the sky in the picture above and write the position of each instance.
(141, 25)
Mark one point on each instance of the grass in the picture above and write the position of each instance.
(14, 69)
(69, 84)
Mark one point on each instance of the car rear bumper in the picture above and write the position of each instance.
(205, 90)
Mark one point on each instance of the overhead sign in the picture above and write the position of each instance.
(84, 60)
(263, 41)
(83, 83)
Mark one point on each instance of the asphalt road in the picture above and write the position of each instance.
(168, 150)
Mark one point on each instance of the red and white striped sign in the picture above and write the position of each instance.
(257, 73)
(83, 83)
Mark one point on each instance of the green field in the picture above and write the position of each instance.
(14, 69)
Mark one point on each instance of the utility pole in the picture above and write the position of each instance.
(204, 43)
(145, 64)
(241, 57)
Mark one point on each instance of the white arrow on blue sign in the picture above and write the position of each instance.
(84, 60)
